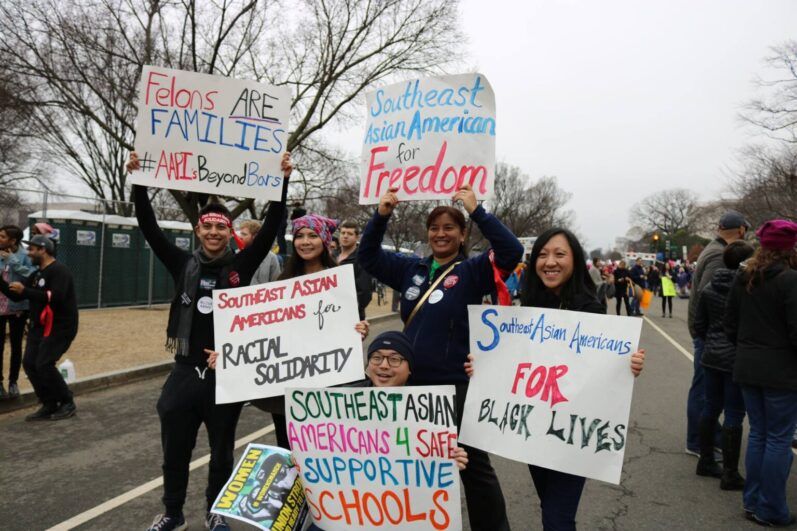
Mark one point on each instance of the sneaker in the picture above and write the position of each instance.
(13, 391)
(168, 523)
(695, 453)
(789, 522)
(66, 410)
(3, 394)
(216, 522)
(43, 413)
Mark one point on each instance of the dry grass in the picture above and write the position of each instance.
(121, 338)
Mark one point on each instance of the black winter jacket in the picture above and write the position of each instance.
(719, 352)
(763, 325)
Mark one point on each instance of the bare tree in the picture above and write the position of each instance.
(766, 186)
(526, 207)
(80, 62)
(666, 212)
(774, 111)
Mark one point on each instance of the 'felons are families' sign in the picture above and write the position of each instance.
(211, 134)
(428, 137)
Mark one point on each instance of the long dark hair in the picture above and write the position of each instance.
(294, 266)
(580, 283)
(763, 258)
(13, 232)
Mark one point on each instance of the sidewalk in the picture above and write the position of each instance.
(118, 345)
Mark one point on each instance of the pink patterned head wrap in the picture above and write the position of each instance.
(322, 226)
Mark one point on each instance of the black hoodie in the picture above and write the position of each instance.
(763, 325)
(719, 352)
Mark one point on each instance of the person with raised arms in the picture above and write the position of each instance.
(188, 398)
(434, 308)
(312, 235)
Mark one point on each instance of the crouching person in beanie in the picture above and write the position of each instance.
(53, 307)
(188, 398)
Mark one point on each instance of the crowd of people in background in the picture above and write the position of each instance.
(742, 317)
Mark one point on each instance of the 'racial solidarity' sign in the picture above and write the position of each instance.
(286, 333)
(551, 387)
(211, 134)
(428, 137)
(377, 458)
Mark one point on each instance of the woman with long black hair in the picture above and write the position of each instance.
(761, 320)
(558, 278)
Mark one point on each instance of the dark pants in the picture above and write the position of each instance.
(16, 329)
(696, 399)
(723, 395)
(281, 430)
(485, 501)
(559, 494)
(772, 414)
(666, 301)
(41, 354)
(188, 400)
(620, 299)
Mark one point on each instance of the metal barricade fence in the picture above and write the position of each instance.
(100, 242)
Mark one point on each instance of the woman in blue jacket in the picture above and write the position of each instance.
(436, 292)
(15, 266)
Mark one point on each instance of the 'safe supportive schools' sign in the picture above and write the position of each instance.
(428, 137)
(211, 134)
(377, 458)
(287, 333)
(551, 388)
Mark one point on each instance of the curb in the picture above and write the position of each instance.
(115, 378)
(94, 383)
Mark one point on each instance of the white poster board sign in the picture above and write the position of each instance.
(377, 457)
(551, 388)
(287, 333)
(428, 137)
(211, 134)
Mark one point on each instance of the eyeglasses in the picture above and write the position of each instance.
(393, 361)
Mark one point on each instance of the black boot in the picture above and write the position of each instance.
(731, 448)
(706, 465)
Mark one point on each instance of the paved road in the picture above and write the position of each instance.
(50, 472)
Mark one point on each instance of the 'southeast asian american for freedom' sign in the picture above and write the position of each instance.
(428, 137)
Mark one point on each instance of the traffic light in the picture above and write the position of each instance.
(656, 238)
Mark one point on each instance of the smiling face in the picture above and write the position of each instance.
(37, 255)
(214, 237)
(555, 263)
(384, 374)
(308, 244)
(445, 237)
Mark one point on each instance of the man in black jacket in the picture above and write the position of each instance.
(349, 238)
(188, 398)
(53, 326)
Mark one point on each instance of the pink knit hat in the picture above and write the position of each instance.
(322, 226)
(778, 234)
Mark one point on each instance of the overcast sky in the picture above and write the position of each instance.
(621, 98)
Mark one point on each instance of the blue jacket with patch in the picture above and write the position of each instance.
(439, 332)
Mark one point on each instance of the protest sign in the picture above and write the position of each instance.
(377, 458)
(264, 490)
(551, 387)
(428, 137)
(211, 134)
(286, 333)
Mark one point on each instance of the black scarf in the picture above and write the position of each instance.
(181, 312)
